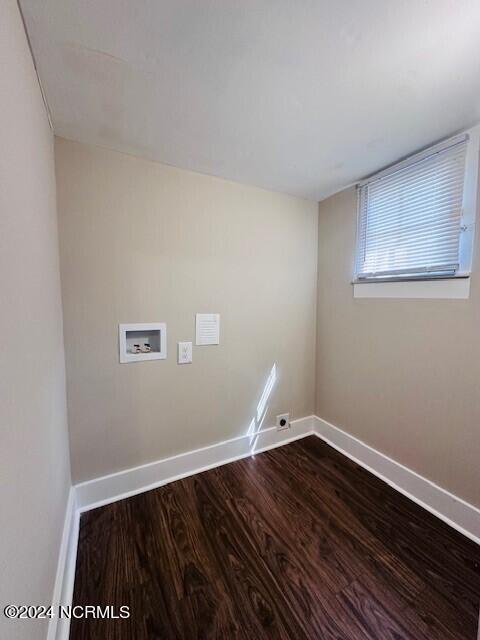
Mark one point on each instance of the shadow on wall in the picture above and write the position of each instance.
(262, 408)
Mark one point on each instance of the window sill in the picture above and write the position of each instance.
(453, 288)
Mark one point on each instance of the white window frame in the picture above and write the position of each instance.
(453, 286)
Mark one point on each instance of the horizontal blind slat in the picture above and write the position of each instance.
(411, 258)
(438, 172)
(418, 170)
(412, 241)
(427, 221)
(430, 224)
(415, 201)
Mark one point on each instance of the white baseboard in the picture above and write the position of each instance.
(64, 579)
(116, 486)
(456, 512)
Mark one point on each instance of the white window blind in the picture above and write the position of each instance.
(410, 217)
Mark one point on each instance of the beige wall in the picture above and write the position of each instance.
(401, 375)
(144, 242)
(34, 459)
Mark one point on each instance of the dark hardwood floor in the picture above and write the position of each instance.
(295, 543)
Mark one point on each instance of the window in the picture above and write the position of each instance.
(416, 219)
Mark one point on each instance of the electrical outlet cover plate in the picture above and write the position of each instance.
(283, 421)
(184, 352)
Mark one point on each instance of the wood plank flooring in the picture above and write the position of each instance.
(296, 543)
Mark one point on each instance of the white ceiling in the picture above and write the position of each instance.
(299, 96)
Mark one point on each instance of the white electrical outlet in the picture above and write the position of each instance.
(184, 352)
(283, 421)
